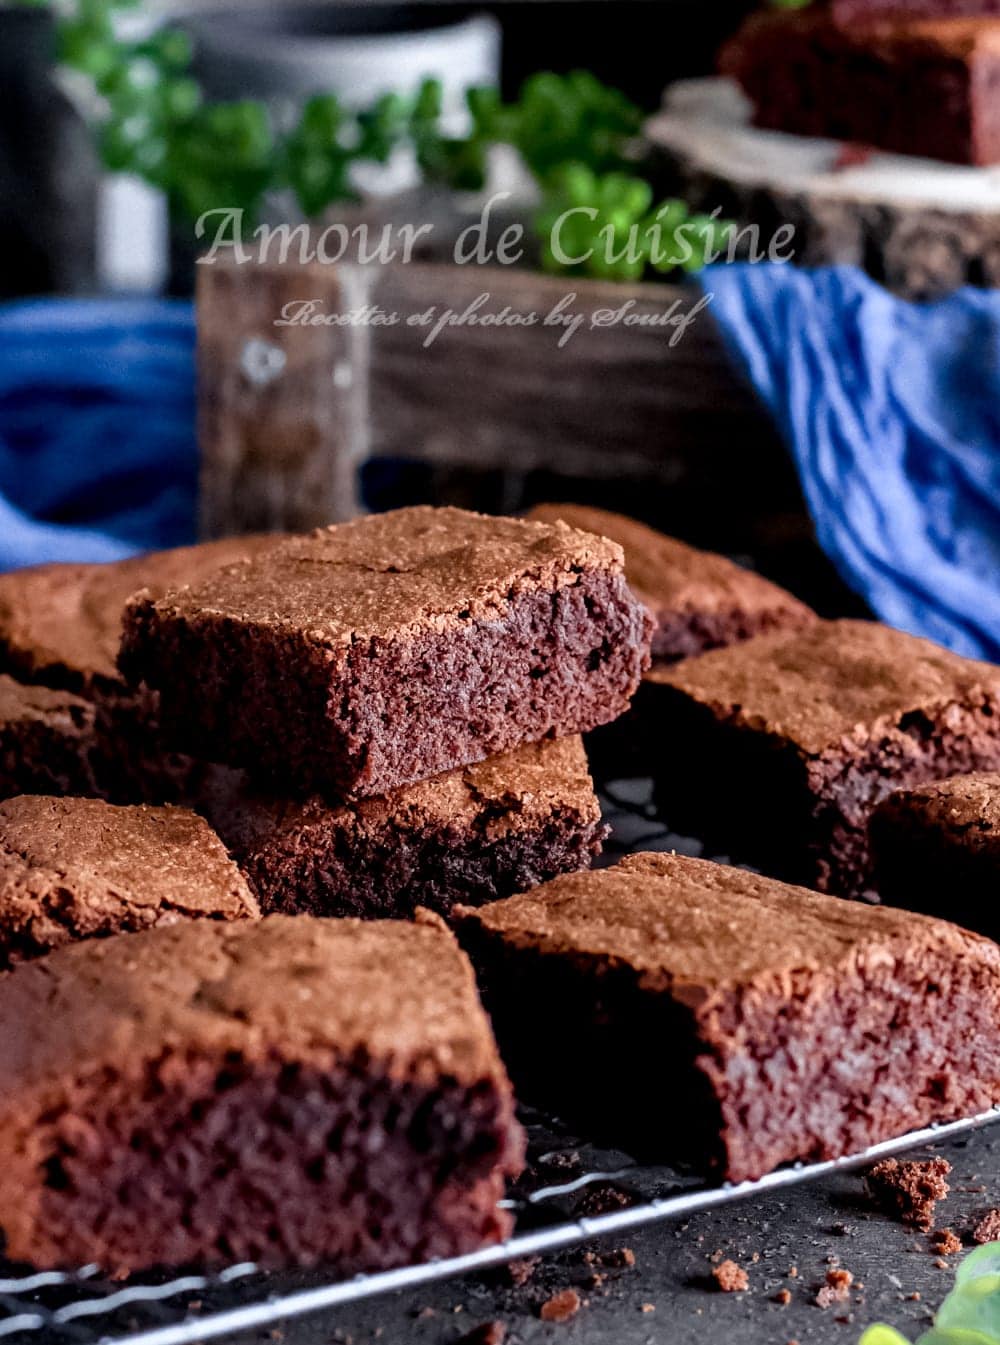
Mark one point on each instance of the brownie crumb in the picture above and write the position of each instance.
(909, 1190)
(730, 1277)
(520, 1272)
(784, 1297)
(946, 1242)
(487, 1333)
(618, 1258)
(648, 1307)
(560, 1307)
(837, 1288)
(603, 1199)
(988, 1227)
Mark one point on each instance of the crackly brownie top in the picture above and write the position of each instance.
(22, 704)
(399, 994)
(670, 576)
(965, 808)
(513, 792)
(83, 854)
(692, 926)
(835, 680)
(386, 574)
(61, 623)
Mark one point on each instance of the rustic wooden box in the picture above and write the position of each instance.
(290, 412)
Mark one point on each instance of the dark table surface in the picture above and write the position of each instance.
(669, 1298)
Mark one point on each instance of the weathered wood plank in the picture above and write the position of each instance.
(282, 409)
(617, 398)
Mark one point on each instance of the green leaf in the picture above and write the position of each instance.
(880, 1334)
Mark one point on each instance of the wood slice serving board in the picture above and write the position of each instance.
(920, 227)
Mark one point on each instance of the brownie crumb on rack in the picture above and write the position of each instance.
(909, 1189)
(783, 1297)
(836, 1289)
(561, 1306)
(987, 1229)
(730, 1277)
(946, 1242)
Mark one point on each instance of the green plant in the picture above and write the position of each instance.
(970, 1315)
(605, 225)
(575, 135)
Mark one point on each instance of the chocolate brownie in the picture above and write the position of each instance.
(698, 600)
(923, 86)
(47, 741)
(470, 835)
(691, 1011)
(779, 749)
(78, 868)
(60, 626)
(375, 653)
(937, 849)
(284, 1091)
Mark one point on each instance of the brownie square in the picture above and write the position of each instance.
(379, 652)
(284, 1091)
(470, 835)
(48, 741)
(698, 600)
(924, 86)
(693, 1012)
(60, 627)
(82, 868)
(778, 750)
(937, 849)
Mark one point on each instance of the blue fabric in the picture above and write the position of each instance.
(98, 455)
(892, 412)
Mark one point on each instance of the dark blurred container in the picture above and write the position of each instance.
(48, 173)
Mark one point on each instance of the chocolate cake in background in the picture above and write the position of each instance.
(925, 86)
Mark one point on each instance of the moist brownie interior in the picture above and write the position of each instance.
(699, 600)
(471, 835)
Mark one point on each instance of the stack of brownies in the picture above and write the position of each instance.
(911, 76)
(208, 1056)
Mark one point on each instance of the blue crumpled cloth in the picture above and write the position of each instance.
(892, 412)
(98, 455)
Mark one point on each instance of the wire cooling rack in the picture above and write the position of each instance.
(571, 1193)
